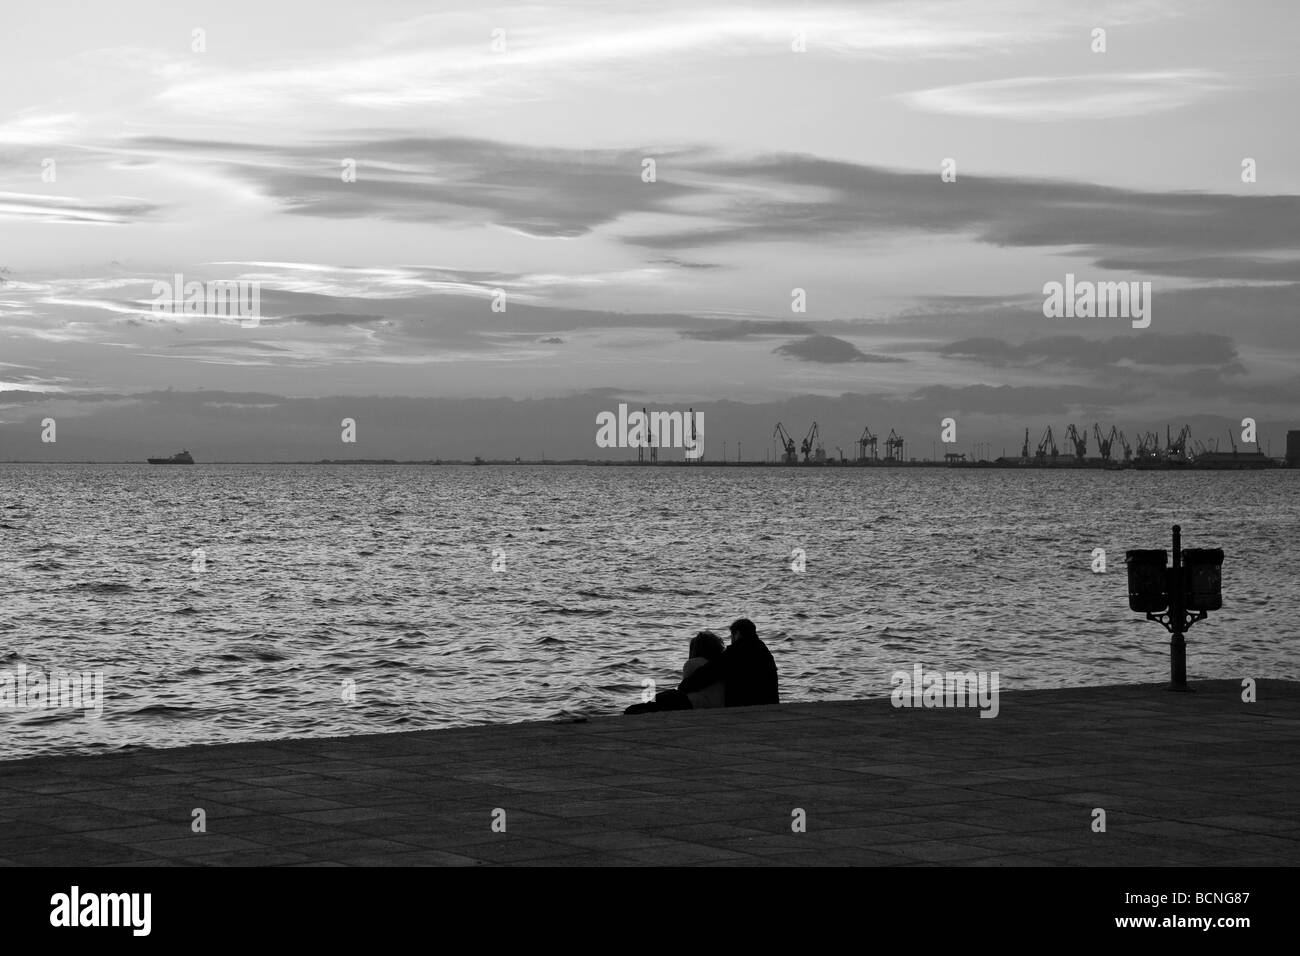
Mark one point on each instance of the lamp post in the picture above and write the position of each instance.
(1176, 597)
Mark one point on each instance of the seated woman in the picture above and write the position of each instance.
(705, 647)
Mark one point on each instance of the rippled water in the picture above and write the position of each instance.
(383, 576)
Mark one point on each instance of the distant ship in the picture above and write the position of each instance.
(184, 458)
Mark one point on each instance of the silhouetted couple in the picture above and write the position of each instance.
(741, 675)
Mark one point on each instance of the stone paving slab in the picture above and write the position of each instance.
(1192, 779)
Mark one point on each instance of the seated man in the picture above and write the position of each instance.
(746, 669)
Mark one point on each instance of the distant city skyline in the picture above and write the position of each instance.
(476, 228)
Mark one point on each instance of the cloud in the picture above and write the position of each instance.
(33, 127)
(548, 193)
(221, 344)
(1192, 348)
(1055, 98)
(34, 207)
(1031, 401)
(1243, 268)
(334, 318)
(712, 200)
(746, 328)
(839, 199)
(683, 264)
(1261, 317)
(447, 59)
(828, 349)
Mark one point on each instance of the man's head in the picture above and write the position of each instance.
(742, 628)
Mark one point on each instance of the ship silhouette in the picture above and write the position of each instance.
(183, 458)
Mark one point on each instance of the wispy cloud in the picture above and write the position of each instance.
(1191, 348)
(704, 199)
(447, 59)
(730, 331)
(38, 127)
(1054, 98)
(35, 207)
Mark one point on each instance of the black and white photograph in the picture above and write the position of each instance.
(779, 434)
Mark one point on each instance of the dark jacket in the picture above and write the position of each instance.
(748, 670)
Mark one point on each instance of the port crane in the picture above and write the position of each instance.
(1149, 445)
(1177, 448)
(1080, 442)
(1105, 442)
(788, 453)
(894, 446)
(811, 445)
(1046, 442)
(1128, 449)
(1024, 449)
(867, 450)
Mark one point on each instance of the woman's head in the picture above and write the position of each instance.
(706, 644)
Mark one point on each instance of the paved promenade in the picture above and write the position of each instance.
(1184, 779)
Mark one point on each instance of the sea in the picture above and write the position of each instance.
(218, 603)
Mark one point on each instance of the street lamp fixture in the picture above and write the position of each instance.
(1176, 597)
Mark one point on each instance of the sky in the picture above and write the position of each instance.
(473, 227)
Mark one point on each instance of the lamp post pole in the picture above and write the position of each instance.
(1166, 593)
(1177, 645)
